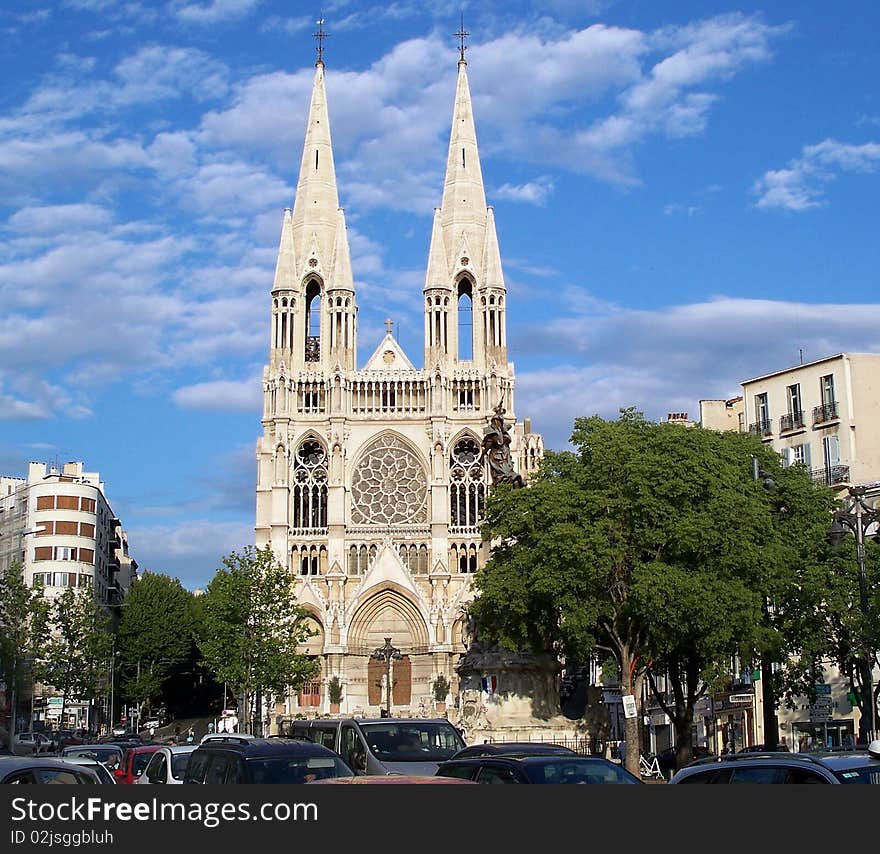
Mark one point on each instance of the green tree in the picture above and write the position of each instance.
(76, 657)
(651, 541)
(155, 635)
(252, 628)
(23, 632)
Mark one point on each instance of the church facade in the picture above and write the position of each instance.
(371, 480)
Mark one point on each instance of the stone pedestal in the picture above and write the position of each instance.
(510, 696)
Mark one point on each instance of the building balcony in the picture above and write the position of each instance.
(831, 476)
(825, 412)
(761, 428)
(792, 421)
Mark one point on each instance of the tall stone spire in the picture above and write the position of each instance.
(464, 199)
(315, 210)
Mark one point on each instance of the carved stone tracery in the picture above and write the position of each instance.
(389, 485)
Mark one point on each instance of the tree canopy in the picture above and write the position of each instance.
(252, 627)
(654, 541)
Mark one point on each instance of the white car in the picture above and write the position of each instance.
(220, 736)
(95, 765)
(167, 765)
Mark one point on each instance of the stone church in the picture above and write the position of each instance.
(371, 480)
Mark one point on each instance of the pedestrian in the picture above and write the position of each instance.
(622, 751)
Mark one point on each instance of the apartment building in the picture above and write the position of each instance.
(822, 415)
(58, 524)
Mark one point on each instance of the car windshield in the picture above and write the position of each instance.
(863, 774)
(574, 771)
(413, 742)
(179, 761)
(302, 769)
(102, 754)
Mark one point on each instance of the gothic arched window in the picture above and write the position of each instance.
(467, 484)
(465, 320)
(310, 486)
(313, 321)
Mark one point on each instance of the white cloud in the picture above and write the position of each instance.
(668, 360)
(800, 186)
(214, 11)
(534, 192)
(222, 396)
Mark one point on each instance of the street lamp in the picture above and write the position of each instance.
(387, 653)
(857, 516)
(768, 697)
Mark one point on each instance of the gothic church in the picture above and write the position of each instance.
(371, 479)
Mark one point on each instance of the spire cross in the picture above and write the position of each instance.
(320, 36)
(461, 35)
(388, 324)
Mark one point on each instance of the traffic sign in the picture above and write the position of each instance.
(822, 688)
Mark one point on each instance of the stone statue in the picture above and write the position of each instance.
(496, 450)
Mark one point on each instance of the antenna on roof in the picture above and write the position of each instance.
(462, 34)
(320, 36)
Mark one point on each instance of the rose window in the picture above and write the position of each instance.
(389, 485)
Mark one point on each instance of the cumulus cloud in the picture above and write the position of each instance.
(212, 12)
(607, 357)
(533, 192)
(222, 396)
(801, 185)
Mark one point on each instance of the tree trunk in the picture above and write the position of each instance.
(631, 684)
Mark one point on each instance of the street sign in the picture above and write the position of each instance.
(822, 688)
(629, 706)
(740, 699)
(56, 701)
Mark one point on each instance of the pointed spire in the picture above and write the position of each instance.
(464, 199)
(317, 200)
(285, 266)
(340, 271)
(493, 277)
(437, 274)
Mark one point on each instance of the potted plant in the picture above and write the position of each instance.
(440, 689)
(334, 693)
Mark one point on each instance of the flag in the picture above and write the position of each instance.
(489, 683)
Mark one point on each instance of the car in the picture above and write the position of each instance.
(108, 754)
(66, 737)
(760, 748)
(220, 736)
(666, 759)
(394, 779)
(537, 769)
(43, 769)
(105, 775)
(262, 760)
(851, 766)
(167, 765)
(31, 744)
(409, 746)
(134, 760)
(520, 748)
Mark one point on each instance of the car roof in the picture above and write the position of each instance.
(11, 763)
(530, 747)
(531, 758)
(143, 748)
(96, 746)
(391, 778)
(267, 748)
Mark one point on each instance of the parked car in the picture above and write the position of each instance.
(44, 769)
(537, 769)
(31, 744)
(520, 748)
(167, 765)
(108, 754)
(666, 759)
(67, 737)
(760, 748)
(853, 766)
(134, 760)
(410, 746)
(393, 779)
(104, 774)
(220, 736)
(236, 760)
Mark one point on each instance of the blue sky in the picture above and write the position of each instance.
(686, 196)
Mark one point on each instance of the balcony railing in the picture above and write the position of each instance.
(831, 476)
(825, 412)
(792, 421)
(761, 428)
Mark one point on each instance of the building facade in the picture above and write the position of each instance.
(58, 525)
(371, 480)
(822, 415)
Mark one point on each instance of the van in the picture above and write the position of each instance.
(382, 746)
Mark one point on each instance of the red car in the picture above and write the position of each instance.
(134, 760)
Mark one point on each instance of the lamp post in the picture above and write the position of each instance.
(768, 697)
(857, 516)
(387, 653)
